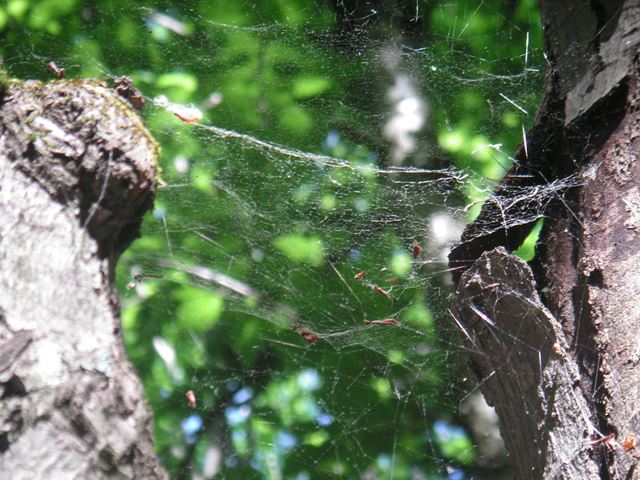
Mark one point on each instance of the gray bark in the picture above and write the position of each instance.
(556, 349)
(77, 171)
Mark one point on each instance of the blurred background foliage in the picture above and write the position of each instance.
(242, 287)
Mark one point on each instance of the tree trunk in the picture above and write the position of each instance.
(77, 171)
(556, 346)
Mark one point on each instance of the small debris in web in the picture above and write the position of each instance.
(416, 249)
(125, 88)
(191, 399)
(360, 275)
(169, 22)
(382, 292)
(58, 72)
(306, 333)
(186, 113)
(139, 277)
(386, 321)
(609, 441)
(629, 442)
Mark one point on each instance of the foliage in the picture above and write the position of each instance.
(360, 398)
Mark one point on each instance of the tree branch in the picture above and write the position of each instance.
(77, 171)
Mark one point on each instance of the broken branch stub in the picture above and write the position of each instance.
(88, 149)
(519, 354)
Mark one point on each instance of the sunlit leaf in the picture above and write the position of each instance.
(310, 86)
(300, 248)
(198, 309)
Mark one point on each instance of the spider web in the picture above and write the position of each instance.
(293, 274)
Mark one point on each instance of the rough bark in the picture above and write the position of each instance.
(76, 175)
(520, 354)
(558, 355)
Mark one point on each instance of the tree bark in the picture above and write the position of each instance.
(556, 346)
(77, 171)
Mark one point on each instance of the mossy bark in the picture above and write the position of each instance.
(77, 172)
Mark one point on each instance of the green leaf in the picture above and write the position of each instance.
(400, 263)
(317, 439)
(301, 249)
(17, 8)
(180, 86)
(310, 86)
(198, 309)
(527, 251)
(296, 120)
